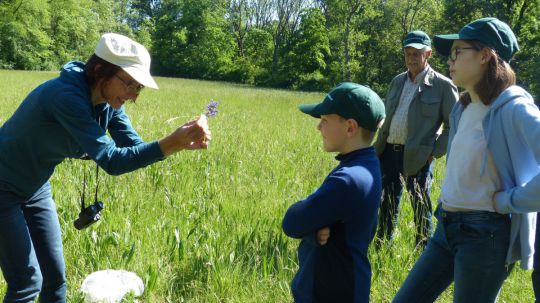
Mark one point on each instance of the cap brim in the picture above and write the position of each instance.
(443, 43)
(416, 45)
(314, 110)
(141, 76)
(310, 109)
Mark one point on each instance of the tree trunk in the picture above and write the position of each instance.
(346, 52)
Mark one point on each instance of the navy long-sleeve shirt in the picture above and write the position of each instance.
(56, 121)
(347, 202)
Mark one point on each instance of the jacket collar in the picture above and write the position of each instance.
(430, 75)
(427, 77)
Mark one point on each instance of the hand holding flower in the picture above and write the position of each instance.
(194, 134)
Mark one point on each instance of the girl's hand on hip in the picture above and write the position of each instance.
(323, 235)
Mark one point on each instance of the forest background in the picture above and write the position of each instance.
(293, 44)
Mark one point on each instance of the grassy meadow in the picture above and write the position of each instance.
(205, 226)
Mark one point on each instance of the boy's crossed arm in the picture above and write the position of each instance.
(324, 207)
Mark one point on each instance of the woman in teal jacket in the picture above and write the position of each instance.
(486, 218)
(67, 117)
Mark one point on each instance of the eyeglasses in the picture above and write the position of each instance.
(456, 51)
(131, 87)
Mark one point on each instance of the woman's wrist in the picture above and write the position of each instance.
(168, 146)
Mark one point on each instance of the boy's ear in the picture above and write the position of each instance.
(352, 126)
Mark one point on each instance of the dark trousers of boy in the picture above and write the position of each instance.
(418, 186)
(536, 271)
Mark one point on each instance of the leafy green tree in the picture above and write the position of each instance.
(76, 26)
(239, 14)
(169, 39)
(305, 63)
(24, 38)
(282, 43)
(525, 20)
(348, 34)
(254, 66)
(191, 39)
(286, 21)
(210, 47)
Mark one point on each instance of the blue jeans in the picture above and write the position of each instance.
(536, 271)
(469, 249)
(418, 187)
(31, 247)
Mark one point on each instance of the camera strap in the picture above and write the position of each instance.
(86, 157)
(83, 206)
(97, 183)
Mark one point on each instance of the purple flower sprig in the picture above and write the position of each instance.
(211, 108)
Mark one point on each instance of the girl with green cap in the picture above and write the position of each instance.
(486, 218)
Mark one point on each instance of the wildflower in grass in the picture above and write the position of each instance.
(211, 108)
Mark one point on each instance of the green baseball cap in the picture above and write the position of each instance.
(490, 31)
(350, 101)
(417, 39)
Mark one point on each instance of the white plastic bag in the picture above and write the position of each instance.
(110, 286)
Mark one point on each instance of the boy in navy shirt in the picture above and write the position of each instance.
(337, 222)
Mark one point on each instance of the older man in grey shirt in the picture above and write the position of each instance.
(418, 102)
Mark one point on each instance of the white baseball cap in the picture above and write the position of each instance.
(131, 56)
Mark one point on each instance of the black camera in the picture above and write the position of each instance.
(89, 215)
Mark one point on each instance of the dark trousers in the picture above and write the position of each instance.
(418, 186)
(536, 271)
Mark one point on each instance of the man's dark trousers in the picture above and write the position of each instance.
(418, 186)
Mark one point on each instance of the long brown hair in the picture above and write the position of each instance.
(105, 71)
(498, 77)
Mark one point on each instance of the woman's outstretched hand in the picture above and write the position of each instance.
(194, 134)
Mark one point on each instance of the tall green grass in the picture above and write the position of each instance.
(205, 226)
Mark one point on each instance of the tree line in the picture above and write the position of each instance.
(298, 44)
